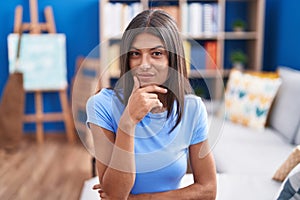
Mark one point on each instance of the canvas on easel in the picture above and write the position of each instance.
(42, 60)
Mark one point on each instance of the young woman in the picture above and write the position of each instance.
(149, 124)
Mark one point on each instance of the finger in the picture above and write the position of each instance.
(150, 95)
(154, 103)
(159, 103)
(154, 88)
(103, 195)
(96, 187)
(136, 84)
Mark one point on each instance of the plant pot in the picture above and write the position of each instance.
(238, 29)
(238, 65)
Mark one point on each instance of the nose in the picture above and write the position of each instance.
(145, 62)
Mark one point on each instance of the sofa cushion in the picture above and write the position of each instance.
(248, 98)
(246, 187)
(290, 189)
(242, 150)
(288, 165)
(285, 113)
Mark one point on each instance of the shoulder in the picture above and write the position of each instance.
(194, 107)
(193, 102)
(192, 97)
(105, 93)
(101, 110)
(101, 98)
(102, 95)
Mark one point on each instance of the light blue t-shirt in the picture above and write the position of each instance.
(160, 155)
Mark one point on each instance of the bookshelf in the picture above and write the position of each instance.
(219, 32)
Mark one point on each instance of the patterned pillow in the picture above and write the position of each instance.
(290, 188)
(248, 98)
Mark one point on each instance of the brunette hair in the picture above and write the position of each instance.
(162, 25)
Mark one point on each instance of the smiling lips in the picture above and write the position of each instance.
(145, 76)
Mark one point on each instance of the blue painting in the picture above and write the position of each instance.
(42, 60)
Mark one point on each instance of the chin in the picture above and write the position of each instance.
(144, 83)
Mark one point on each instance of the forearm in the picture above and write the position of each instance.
(119, 176)
(194, 191)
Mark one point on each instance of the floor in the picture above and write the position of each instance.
(54, 170)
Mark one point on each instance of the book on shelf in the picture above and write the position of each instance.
(195, 19)
(187, 54)
(216, 18)
(184, 18)
(211, 60)
(208, 18)
(113, 60)
(200, 18)
(200, 57)
(112, 11)
(121, 14)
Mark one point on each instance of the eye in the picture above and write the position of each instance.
(157, 53)
(133, 54)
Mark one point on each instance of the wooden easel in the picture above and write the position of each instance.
(34, 27)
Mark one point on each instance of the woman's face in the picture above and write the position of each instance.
(148, 59)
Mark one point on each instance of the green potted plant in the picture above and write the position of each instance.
(238, 59)
(239, 25)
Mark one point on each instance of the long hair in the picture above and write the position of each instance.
(162, 25)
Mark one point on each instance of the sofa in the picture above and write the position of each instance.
(247, 158)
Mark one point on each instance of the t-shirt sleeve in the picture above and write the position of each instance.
(98, 109)
(201, 124)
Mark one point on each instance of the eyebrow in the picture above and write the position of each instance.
(157, 47)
